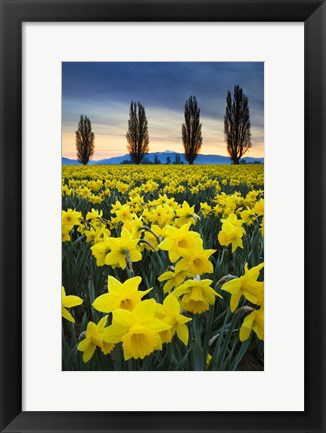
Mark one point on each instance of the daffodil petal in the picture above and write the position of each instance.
(101, 324)
(183, 334)
(123, 318)
(172, 304)
(114, 333)
(104, 303)
(114, 285)
(67, 315)
(233, 286)
(132, 284)
(244, 333)
(83, 345)
(234, 301)
(71, 301)
(87, 355)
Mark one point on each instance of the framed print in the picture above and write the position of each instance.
(148, 224)
(162, 263)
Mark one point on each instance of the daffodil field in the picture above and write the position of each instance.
(162, 267)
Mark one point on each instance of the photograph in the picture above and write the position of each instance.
(162, 216)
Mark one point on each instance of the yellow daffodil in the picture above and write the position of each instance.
(137, 330)
(196, 261)
(101, 250)
(205, 208)
(83, 192)
(254, 321)
(69, 302)
(173, 279)
(259, 207)
(197, 295)
(94, 338)
(116, 207)
(123, 249)
(124, 213)
(134, 226)
(178, 241)
(186, 214)
(115, 251)
(94, 215)
(169, 313)
(65, 237)
(160, 215)
(248, 216)
(120, 295)
(246, 286)
(232, 232)
(71, 218)
(95, 198)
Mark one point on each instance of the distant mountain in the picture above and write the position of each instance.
(67, 161)
(163, 156)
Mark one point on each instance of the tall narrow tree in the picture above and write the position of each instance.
(84, 140)
(191, 130)
(237, 124)
(137, 134)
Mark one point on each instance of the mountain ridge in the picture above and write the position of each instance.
(163, 158)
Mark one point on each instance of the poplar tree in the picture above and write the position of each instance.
(237, 124)
(84, 140)
(137, 134)
(191, 130)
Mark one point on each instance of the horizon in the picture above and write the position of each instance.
(103, 91)
(167, 151)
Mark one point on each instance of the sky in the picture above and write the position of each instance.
(103, 92)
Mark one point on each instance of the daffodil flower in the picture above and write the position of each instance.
(196, 261)
(70, 218)
(122, 248)
(69, 302)
(246, 286)
(197, 295)
(186, 214)
(173, 279)
(232, 232)
(169, 312)
(178, 241)
(101, 249)
(94, 338)
(253, 322)
(137, 330)
(259, 207)
(94, 214)
(205, 208)
(120, 295)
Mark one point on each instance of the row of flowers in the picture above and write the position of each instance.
(134, 181)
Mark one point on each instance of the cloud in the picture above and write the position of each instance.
(103, 92)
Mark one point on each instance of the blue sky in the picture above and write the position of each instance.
(103, 91)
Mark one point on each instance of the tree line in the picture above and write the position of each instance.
(236, 130)
(177, 160)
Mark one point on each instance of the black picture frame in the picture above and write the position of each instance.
(13, 14)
